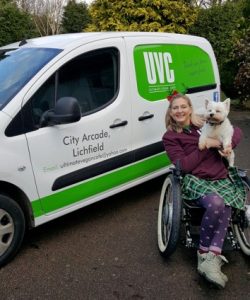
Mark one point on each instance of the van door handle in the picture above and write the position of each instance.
(142, 118)
(122, 123)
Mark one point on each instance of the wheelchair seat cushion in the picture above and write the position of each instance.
(231, 189)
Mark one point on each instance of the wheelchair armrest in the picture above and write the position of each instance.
(247, 180)
(243, 174)
(176, 170)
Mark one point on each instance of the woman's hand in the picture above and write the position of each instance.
(226, 152)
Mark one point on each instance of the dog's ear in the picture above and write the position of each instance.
(206, 103)
(227, 103)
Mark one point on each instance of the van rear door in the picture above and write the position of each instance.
(158, 66)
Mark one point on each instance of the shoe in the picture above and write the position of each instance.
(210, 269)
(202, 257)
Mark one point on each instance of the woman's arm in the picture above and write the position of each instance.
(175, 152)
(237, 135)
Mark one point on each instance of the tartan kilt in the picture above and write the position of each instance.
(231, 189)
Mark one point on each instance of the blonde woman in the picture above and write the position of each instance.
(206, 182)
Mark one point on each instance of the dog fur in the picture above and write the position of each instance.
(218, 126)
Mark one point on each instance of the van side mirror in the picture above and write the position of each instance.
(67, 110)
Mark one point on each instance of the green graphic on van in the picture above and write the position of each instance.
(100, 184)
(160, 69)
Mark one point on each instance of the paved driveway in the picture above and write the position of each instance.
(109, 251)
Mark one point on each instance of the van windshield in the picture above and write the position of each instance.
(18, 66)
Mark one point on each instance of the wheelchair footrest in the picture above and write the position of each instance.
(192, 241)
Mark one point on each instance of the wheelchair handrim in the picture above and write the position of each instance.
(167, 216)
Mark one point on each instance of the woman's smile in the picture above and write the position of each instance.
(181, 111)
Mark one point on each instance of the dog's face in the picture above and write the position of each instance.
(216, 112)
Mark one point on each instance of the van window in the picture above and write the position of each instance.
(92, 78)
(17, 67)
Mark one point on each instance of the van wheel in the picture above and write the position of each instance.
(12, 228)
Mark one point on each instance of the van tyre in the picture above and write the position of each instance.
(169, 216)
(12, 228)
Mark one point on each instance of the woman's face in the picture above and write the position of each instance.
(181, 111)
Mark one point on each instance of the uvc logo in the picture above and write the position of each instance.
(157, 63)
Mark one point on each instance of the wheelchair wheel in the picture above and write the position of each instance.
(169, 216)
(242, 228)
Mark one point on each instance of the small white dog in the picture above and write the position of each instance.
(218, 126)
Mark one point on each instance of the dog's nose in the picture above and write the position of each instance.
(211, 115)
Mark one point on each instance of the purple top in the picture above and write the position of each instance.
(206, 164)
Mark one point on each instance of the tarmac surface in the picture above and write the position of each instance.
(109, 251)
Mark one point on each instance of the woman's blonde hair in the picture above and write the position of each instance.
(171, 123)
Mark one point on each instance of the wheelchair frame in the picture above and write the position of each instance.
(173, 214)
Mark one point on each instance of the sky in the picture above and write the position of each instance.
(88, 1)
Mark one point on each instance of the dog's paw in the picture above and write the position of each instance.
(202, 146)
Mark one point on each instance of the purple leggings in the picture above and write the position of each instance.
(214, 223)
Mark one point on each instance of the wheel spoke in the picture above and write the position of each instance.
(12, 228)
(6, 236)
(4, 246)
(6, 229)
(2, 214)
(246, 237)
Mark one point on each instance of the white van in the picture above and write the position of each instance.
(82, 117)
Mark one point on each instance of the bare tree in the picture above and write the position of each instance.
(207, 3)
(47, 14)
(25, 5)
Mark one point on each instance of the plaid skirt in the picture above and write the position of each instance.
(231, 189)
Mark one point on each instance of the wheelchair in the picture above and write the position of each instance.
(179, 220)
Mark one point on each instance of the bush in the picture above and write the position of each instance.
(75, 17)
(219, 24)
(141, 15)
(15, 25)
(242, 78)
